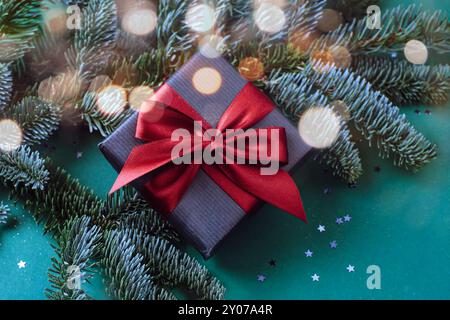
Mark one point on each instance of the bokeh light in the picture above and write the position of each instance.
(139, 21)
(112, 99)
(10, 135)
(319, 127)
(200, 18)
(269, 17)
(341, 108)
(207, 80)
(341, 57)
(322, 60)
(302, 41)
(330, 20)
(212, 46)
(138, 96)
(416, 52)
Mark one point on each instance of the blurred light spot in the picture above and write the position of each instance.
(416, 52)
(319, 127)
(269, 18)
(62, 88)
(322, 60)
(10, 135)
(112, 99)
(341, 108)
(138, 96)
(200, 18)
(330, 20)
(212, 46)
(341, 57)
(139, 21)
(207, 80)
(302, 41)
(99, 83)
(54, 17)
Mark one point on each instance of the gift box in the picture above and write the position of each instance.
(206, 211)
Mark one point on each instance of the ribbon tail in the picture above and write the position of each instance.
(278, 189)
(142, 160)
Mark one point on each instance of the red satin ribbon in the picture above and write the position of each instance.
(242, 182)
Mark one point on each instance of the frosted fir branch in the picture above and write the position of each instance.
(124, 267)
(96, 38)
(38, 119)
(399, 25)
(79, 243)
(174, 268)
(4, 213)
(5, 85)
(378, 120)
(19, 22)
(404, 83)
(294, 94)
(23, 168)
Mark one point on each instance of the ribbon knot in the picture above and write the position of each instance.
(172, 166)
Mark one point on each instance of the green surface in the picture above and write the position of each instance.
(401, 222)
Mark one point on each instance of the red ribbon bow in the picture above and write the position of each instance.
(242, 182)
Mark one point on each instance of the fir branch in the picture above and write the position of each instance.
(63, 198)
(104, 123)
(174, 268)
(79, 242)
(128, 276)
(294, 94)
(379, 121)
(5, 85)
(37, 118)
(130, 210)
(4, 212)
(399, 25)
(19, 22)
(404, 83)
(23, 168)
(96, 37)
(352, 9)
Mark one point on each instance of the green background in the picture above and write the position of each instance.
(401, 223)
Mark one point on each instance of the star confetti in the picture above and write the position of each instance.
(327, 190)
(321, 228)
(315, 277)
(427, 112)
(347, 218)
(417, 111)
(261, 277)
(350, 268)
(79, 155)
(333, 244)
(272, 263)
(22, 264)
(339, 221)
(309, 253)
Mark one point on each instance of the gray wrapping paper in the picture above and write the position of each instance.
(205, 214)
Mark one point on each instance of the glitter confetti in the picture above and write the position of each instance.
(321, 228)
(315, 277)
(350, 268)
(333, 244)
(22, 264)
(261, 277)
(309, 253)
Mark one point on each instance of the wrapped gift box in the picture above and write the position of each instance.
(205, 214)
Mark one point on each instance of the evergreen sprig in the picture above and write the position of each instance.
(399, 25)
(4, 212)
(404, 83)
(23, 168)
(96, 37)
(104, 123)
(128, 276)
(294, 94)
(79, 243)
(19, 22)
(5, 85)
(378, 120)
(37, 118)
(171, 267)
